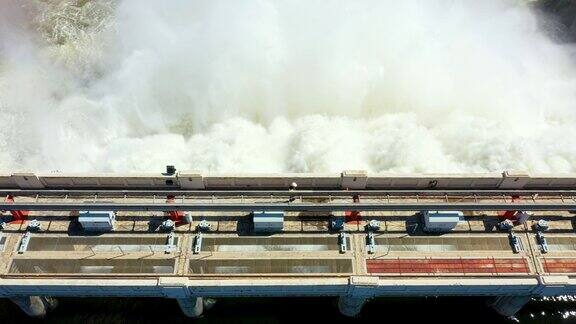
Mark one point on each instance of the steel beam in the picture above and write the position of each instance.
(286, 193)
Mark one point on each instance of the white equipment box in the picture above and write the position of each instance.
(441, 221)
(268, 221)
(97, 221)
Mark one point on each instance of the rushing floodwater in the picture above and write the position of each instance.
(277, 86)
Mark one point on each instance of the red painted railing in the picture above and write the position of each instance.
(559, 265)
(494, 266)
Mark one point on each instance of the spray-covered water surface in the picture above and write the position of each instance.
(272, 86)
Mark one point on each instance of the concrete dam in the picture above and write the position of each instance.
(197, 238)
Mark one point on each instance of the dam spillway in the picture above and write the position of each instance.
(352, 235)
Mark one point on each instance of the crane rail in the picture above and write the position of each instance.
(255, 193)
(247, 207)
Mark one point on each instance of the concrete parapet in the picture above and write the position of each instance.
(124, 181)
(354, 179)
(514, 180)
(348, 179)
(272, 181)
(27, 181)
(7, 181)
(191, 180)
(433, 181)
(551, 181)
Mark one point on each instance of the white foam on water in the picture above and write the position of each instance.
(273, 86)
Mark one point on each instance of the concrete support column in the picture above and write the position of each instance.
(35, 306)
(192, 306)
(350, 306)
(509, 305)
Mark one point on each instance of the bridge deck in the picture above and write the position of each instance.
(475, 253)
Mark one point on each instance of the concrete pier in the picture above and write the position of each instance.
(35, 306)
(192, 307)
(350, 306)
(509, 305)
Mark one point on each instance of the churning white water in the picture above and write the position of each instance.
(272, 85)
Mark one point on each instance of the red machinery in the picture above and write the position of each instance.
(353, 215)
(176, 216)
(18, 216)
(515, 216)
